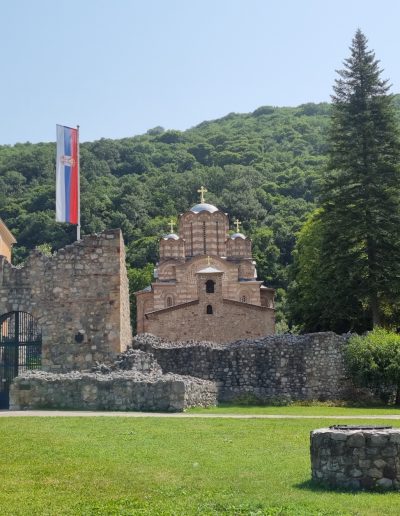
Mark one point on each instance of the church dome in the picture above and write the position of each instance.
(238, 235)
(204, 207)
(171, 236)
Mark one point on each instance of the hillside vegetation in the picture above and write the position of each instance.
(261, 167)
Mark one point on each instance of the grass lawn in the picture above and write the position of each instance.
(155, 466)
(298, 410)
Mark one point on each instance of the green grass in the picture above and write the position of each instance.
(311, 410)
(153, 466)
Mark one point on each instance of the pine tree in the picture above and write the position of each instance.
(361, 197)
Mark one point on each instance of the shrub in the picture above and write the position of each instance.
(373, 361)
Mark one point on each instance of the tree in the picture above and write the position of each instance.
(360, 199)
(373, 361)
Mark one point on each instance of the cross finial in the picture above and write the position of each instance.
(202, 191)
(171, 224)
(208, 261)
(238, 223)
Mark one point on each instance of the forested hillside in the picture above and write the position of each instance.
(261, 167)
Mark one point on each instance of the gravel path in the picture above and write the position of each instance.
(71, 413)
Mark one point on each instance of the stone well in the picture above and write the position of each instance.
(356, 457)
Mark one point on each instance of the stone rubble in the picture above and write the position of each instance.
(133, 382)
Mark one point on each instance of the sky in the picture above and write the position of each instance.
(117, 68)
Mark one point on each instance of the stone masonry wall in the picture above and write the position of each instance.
(114, 391)
(229, 319)
(301, 367)
(134, 381)
(356, 458)
(79, 297)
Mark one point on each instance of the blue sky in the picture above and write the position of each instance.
(120, 67)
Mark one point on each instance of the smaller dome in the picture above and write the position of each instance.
(171, 236)
(204, 207)
(238, 235)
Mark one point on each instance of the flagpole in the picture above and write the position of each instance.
(78, 227)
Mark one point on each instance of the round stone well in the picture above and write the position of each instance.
(356, 457)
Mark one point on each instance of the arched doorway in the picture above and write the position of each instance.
(20, 349)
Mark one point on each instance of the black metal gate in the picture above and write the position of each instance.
(20, 349)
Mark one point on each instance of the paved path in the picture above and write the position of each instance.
(182, 415)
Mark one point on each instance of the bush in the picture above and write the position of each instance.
(373, 361)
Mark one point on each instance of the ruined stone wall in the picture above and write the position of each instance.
(298, 367)
(122, 390)
(79, 297)
(356, 458)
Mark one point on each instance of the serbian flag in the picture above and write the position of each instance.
(67, 175)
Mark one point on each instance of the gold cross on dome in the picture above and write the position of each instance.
(202, 191)
(238, 224)
(171, 224)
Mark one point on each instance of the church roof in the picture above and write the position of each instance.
(172, 236)
(209, 270)
(203, 206)
(6, 233)
(238, 235)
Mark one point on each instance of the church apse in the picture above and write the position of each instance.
(200, 257)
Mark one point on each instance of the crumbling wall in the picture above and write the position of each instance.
(276, 367)
(79, 297)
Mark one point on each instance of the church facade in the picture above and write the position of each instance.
(205, 284)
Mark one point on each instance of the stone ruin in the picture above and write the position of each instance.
(80, 299)
(134, 381)
(274, 368)
(356, 457)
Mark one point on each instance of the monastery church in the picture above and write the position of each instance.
(205, 284)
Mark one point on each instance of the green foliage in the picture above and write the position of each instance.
(262, 167)
(373, 361)
(138, 280)
(346, 274)
(45, 249)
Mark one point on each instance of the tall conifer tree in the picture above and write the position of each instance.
(353, 241)
(360, 267)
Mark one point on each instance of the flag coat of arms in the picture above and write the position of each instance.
(67, 175)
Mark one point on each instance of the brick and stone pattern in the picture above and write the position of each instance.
(171, 306)
(280, 367)
(356, 459)
(80, 298)
(134, 381)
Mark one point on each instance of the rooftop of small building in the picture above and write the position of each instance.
(7, 235)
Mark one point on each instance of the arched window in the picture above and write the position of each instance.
(243, 299)
(169, 301)
(210, 284)
(209, 310)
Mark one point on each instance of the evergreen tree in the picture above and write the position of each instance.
(359, 267)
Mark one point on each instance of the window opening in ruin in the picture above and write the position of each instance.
(210, 286)
(209, 310)
(169, 301)
(243, 299)
(204, 238)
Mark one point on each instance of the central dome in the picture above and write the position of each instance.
(204, 207)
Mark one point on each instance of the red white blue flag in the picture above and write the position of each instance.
(67, 175)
